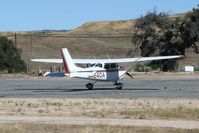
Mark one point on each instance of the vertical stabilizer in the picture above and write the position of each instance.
(69, 65)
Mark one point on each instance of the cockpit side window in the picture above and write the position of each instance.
(98, 65)
(106, 66)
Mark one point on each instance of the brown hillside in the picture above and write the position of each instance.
(107, 27)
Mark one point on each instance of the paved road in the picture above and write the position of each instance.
(74, 88)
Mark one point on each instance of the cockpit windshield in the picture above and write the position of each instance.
(92, 65)
(98, 65)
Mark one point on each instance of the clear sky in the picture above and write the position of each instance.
(26, 15)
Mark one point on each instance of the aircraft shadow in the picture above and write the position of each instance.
(84, 90)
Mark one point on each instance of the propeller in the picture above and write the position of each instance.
(127, 73)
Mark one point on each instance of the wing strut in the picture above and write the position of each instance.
(127, 72)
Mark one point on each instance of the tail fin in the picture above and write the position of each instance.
(69, 65)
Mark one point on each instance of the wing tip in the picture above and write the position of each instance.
(182, 57)
(32, 60)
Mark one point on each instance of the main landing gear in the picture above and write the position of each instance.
(117, 85)
(89, 86)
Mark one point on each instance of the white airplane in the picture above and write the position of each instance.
(99, 69)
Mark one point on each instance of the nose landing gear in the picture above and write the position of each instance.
(118, 85)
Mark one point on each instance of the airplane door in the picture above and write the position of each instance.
(112, 73)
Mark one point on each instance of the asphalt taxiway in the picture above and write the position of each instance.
(75, 88)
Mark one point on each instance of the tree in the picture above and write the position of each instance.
(190, 29)
(157, 34)
(10, 59)
(149, 32)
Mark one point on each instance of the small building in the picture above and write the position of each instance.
(189, 69)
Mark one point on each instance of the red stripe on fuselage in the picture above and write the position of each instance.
(66, 70)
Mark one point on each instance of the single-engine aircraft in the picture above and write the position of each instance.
(99, 69)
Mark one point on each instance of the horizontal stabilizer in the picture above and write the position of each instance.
(48, 60)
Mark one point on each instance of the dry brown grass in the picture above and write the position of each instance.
(107, 27)
(49, 45)
(44, 128)
(104, 108)
(156, 109)
(79, 47)
(173, 113)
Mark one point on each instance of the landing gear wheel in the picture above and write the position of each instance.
(89, 86)
(118, 86)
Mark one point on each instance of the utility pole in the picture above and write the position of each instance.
(31, 42)
(15, 40)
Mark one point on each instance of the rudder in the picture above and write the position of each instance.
(69, 65)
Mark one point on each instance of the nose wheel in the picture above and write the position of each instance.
(89, 86)
(118, 85)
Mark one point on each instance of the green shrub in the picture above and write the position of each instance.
(10, 58)
(142, 68)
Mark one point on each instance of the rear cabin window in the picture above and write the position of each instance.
(106, 66)
(113, 66)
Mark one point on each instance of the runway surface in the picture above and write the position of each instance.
(75, 88)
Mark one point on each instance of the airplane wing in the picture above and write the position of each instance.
(119, 60)
(48, 60)
(125, 60)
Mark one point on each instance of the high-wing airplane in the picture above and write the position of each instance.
(99, 69)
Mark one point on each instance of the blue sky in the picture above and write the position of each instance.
(24, 15)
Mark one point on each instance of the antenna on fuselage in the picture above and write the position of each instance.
(108, 56)
(94, 57)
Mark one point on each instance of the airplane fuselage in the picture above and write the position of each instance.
(99, 75)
